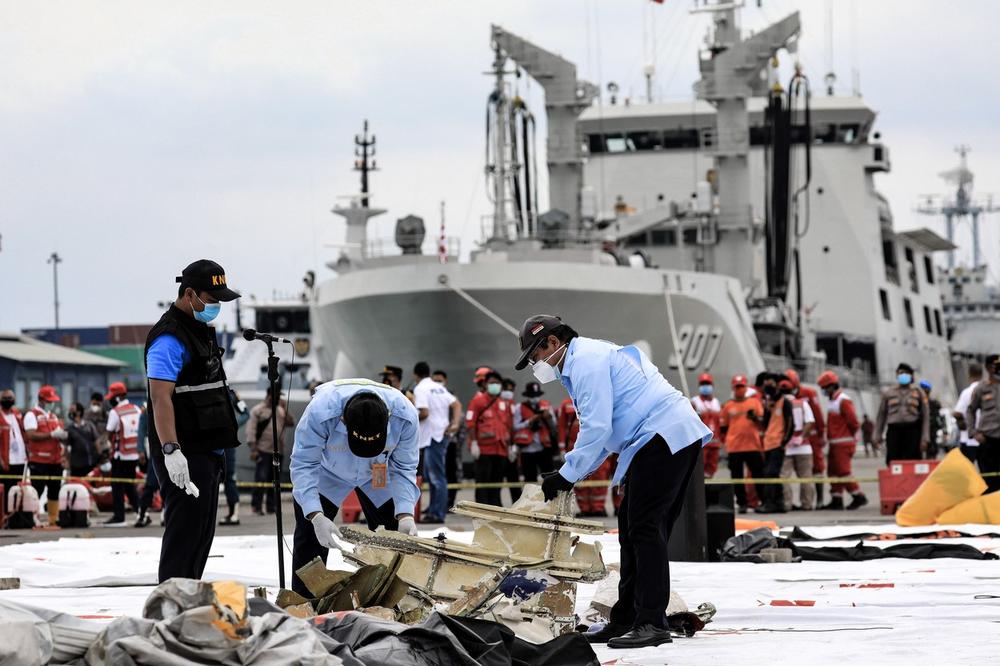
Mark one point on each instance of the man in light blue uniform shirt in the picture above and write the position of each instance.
(625, 406)
(360, 435)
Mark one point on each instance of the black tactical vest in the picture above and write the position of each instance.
(203, 411)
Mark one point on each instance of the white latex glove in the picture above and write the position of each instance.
(407, 526)
(512, 453)
(475, 451)
(60, 434)
(177, 470)
(326, 532)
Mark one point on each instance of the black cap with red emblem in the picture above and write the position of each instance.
(533, 332)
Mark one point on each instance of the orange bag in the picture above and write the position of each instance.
(984, 510)
(951, 483)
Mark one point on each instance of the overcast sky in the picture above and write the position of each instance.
(138, 136)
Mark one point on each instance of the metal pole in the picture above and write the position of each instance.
(950, 230)
(273, 376)
(55, 260)
(975, 239)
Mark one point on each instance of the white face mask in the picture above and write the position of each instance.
(507, 395)
(544, 372)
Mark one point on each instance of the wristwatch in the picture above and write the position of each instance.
(170, 447)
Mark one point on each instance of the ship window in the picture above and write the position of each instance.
(848, 133)
(637, 240)
(283, 321)
(690, 236)
(645, 140)
(937, 323)
(911, 269)
(663, 237)
(891, 263)
(927, 319)
(928, 269)
(681, 138)
(824, 134)
(617, 144)
(908, 311)
(884, 298)
(596, 143)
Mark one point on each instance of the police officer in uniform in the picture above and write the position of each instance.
(985, 404)
(626, 407)
(191, 419)
(904, 410)
(359, 435)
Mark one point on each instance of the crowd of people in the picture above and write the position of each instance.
(772, 427)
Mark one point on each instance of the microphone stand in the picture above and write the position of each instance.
(273, 376)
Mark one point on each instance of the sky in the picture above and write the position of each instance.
(137, 137)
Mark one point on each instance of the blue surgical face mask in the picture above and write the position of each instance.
(904, 378)
(210, 312)
(507, 395)
(705, 389)
(494, 389)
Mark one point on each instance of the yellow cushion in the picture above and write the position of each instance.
(953, 481)
(984, 510)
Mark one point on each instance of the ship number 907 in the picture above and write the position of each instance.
(697, 346)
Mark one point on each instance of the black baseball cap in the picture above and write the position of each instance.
(208, 276)
(533, 332)
(533, 390)
(366, 418)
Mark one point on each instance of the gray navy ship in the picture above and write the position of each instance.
(740, 231)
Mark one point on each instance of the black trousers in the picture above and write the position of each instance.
(80, 471)
(305, 545)
(989, 461)
(46, 469)
(149, 488)
(902, 442)
(512, 473)
(489, 469)
(189, 525)
(539, 461)
(263, 473)
(773, 493)
(123, 469)
(654, 495)
(451, 469)
(14, 470)
(754, 461)
(970, 452)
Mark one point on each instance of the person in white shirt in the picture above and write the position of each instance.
(440, 416)
(13, 453)
(798, 454)
(969, 445)
(123, 434)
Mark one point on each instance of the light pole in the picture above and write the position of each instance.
(55, 260)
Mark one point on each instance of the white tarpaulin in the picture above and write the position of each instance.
(882, 611)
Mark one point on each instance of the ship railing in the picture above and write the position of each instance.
(377, 248)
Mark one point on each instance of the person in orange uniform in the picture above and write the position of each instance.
(13, 454)
(779, 427)
(591, 499)
(44, 435)
(739, 431)
(487, 421)
(707, 406)
(123, 434)
(815, 437)
(841, 431)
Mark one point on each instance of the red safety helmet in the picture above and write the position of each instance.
(739, 380)
(793, 377)
(785, 384)
(828, 378)
(481, 373)
(48, 394)
(705, 378)
(117, 388)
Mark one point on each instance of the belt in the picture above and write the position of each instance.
(199, 387)
(843, 440)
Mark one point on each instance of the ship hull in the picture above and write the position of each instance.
(405, 314)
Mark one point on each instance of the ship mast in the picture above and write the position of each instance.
(359, 211)
(962, 206)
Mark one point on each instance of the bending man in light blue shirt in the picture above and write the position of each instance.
(358, 435)
(625, 406)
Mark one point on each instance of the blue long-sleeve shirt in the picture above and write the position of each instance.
(322, 462)
(623, 402)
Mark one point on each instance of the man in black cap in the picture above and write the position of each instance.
(626, 407)
(904, 416)
(535, 432)
(191, 420)
(392, 375)
(355, 435)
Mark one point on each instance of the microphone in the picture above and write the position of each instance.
(251, 335)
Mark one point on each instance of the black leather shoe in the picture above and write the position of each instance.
(607, 633)
(643, 636)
